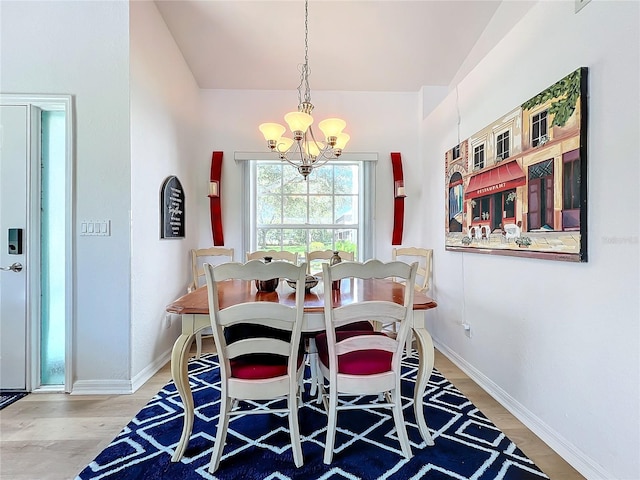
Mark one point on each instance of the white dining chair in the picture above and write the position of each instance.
(512, 231)
(424, 258)
(200, 256)
(291, 257)
(364, 363)
(258, 367)
(315, 258)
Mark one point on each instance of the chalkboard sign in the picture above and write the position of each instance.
(172, 207)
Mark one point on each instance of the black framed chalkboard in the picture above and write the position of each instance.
(172, 207)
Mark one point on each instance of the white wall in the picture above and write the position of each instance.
(82, 49)
(165, 122)
(557, 342)
(377, 122)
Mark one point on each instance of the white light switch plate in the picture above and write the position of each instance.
(100, 228)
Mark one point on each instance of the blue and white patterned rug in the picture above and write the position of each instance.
(7, 398)
(467, 444)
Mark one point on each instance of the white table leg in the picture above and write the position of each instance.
(425, 367)
(179, 372)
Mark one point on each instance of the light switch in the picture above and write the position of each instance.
(96, 228)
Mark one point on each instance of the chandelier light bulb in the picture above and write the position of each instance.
(284, 144)
(332, 127)
(298, 121)
(342, 140)
(313, 149)
(272, 133)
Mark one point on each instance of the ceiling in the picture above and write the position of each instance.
(354, 45)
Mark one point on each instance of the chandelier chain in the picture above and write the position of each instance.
(305, 71)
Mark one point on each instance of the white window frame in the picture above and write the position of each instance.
(366, 201)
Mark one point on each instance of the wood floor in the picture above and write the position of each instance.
(54, 436)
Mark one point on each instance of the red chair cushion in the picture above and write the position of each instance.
(362, 362)
(364, 325)
(260, 367)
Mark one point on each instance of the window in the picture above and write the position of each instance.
(480, 209)
(541, 170)
(326, 212)
(478, 157)
(539, 129)
(571, 184)
(509, 203)
(502, 146)
(456, 152)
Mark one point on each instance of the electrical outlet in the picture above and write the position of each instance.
(167, 320)
(467, 329)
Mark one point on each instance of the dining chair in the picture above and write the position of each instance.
(424, 258)
(318, 257)
(364, 363)
(512, 231)
(291, 257)
(315, 256)
(259, 367)
(485, 233)
(200, 256)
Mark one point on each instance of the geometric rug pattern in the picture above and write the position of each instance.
(467, 444)
(7, 398)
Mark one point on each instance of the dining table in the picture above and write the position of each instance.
(193, 309)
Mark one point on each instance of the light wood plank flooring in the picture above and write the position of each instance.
(54, 436)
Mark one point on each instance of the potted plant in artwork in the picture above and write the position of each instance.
(466, 240)
(523, 242)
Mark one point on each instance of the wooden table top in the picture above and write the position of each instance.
(232, 292)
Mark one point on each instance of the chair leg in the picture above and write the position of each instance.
(399, 420)
(295, 431)
(312, 355)
(331, 426)
(221, 434)
(198, 344)
(314, 369)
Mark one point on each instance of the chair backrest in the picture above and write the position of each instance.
(381, 311)
(290, 257)
(512, 231)
(200, 256)
(317, 256)
(424, 257)
(259, 312)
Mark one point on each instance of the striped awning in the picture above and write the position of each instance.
(503, 177)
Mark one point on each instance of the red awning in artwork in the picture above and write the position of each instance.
(498, 179)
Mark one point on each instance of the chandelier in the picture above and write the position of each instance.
(303, 151)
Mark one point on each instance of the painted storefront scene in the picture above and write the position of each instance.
(518, 186)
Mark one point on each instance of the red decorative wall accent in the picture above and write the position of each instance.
(398, 201)
(214, 200)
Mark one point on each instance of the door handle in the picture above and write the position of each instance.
(16, 267)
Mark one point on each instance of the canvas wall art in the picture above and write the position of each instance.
(519, 186)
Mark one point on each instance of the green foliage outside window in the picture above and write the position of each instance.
(299, 216)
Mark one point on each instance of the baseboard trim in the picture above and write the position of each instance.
(141, 378)
(120, 387)
(569, 452)
(101, 387)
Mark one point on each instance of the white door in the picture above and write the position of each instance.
(14, 162)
